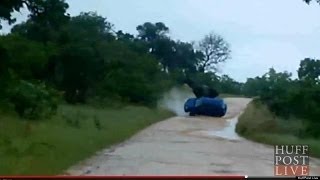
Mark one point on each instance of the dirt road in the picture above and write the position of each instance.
(186, 146)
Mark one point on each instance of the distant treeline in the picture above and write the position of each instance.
(292, 99)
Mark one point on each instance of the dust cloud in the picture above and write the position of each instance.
(174, 99)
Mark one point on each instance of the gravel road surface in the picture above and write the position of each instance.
(187, 146)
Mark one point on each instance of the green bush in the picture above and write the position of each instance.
(33, 100)
(289, 99)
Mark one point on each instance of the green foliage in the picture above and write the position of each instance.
(140, 75)
(258, 123)
(46, 19)
(254, 86)
(8, 7)
(33, 100)
(4, 72)
(291, 98)
(78, 69)
(28, 58)
(84, 57)
(229, 86)
(173, 55)
(150, 32)
(39, 9)
(309, 71)
(88, 27)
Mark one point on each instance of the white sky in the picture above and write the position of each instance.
(262, 33)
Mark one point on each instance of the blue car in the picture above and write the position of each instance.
(206, 106)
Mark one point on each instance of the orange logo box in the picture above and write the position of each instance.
(282, 170)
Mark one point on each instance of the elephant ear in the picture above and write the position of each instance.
(213, 93)
(210, 92)
(205, 90)
(198, 91)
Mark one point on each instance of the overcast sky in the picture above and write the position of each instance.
(262, 33)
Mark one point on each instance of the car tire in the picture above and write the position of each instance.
(192, 114)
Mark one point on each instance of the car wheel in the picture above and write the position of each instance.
(192, 114)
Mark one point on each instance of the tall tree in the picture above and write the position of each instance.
(154, 35)
(150, 32)
(82, 59)
(46, 19)
(7, 7)
(215, 49)
(50, 13)
(309, 70)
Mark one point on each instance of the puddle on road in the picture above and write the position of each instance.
(227, 132)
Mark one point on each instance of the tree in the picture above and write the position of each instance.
(229, 85)
(133, 42)
(150, 32)
(185, 57)
(4, 58)
(4, 72)
(155, 35)
(7, 7)
(255, 86)
(215, 50)
(308, 1)
(176, 57)
(82, 58)
(29, 63)
(139, 74)
(46, 19)
(125, 36)
(309, 71)
(39, 10)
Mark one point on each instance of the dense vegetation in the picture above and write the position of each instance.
(54, 57)
(72, 85)
(55, 67)
(291, 98)
(285, 110)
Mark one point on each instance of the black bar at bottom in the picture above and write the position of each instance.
(272, 177)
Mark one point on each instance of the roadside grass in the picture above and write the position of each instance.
(257, 123)
(48, 147)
